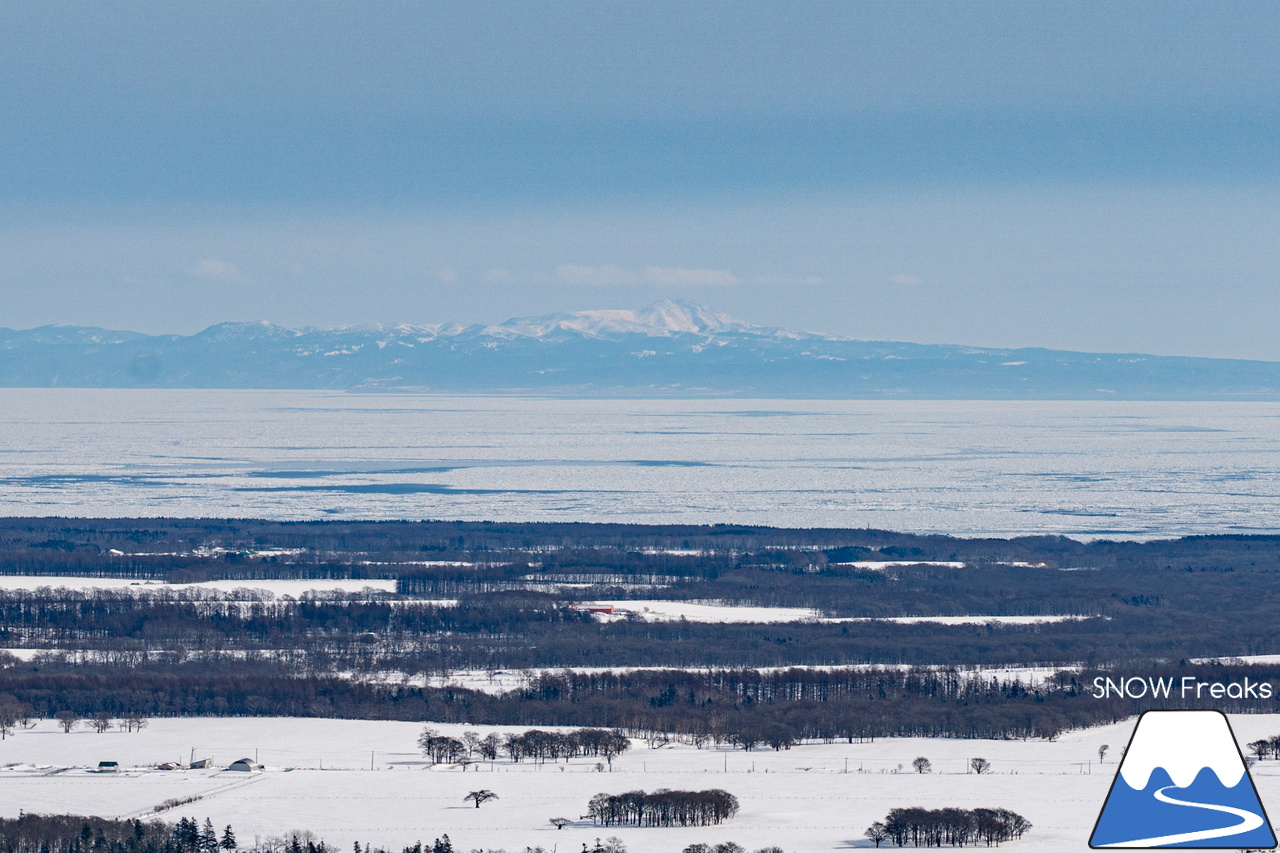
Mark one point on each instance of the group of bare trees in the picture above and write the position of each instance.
(14, 714)
(976, 765)
(1267, 747)
(539, 745)
(951, 827)
(663, 808)
(442, 749)
(101, 721)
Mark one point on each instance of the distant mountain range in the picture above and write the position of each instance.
(667, 349)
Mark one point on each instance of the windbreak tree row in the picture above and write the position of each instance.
(951, 827)
(663, 808)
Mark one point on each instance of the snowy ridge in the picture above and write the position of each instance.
(666, 349)
(1183, 743)
(661, 319)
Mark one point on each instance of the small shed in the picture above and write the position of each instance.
(202, 764)
(108, 767)
(245, 765)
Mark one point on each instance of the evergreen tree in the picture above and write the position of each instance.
(208, 837)
(228, 841)
(187, 833)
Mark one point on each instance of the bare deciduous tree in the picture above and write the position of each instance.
(980, 765)
(1102, 753)
(561, 822)
(489, 746)
(484, 795)
(101, 722)
(9, 716)
(922, 765)
(876, 832)
(135, 722)
(67, 719)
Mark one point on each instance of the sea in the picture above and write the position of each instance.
(1112, 469)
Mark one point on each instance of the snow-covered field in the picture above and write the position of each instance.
(961, 620)
(659, 611)
(879, 565)
(811, 798)
(275, 586)
(656, 610)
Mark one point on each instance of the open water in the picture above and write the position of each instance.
(1092, 469)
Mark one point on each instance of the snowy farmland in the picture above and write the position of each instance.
(275, 586)
(318, 776)
(659, 610)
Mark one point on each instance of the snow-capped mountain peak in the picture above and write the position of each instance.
(661, 319)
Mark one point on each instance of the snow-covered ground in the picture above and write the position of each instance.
(878, 565)
(815, 797)
(1246, 659)
(656, 610)
(961, 620)
(275, 586)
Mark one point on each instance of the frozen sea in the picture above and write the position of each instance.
(1087, 469)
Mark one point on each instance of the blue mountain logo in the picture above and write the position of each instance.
(1183, 783)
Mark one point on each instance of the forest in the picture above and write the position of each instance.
(33, 833)
(747, 708)
(488, 597)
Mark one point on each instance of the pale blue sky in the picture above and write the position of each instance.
(1077, 175)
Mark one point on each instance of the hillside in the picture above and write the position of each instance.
(667, 349)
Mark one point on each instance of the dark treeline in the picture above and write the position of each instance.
(552, 746)
(160, 650)
(663, 808)
(72, 834)
(521, 629)
(33, 833)
(535, 744)
(759, 564)
(1188, 598)
(951, 827)
(745, 708)
(243, 536)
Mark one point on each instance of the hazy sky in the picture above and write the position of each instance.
(1100, 176)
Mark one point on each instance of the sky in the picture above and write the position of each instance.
(1090, 176)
